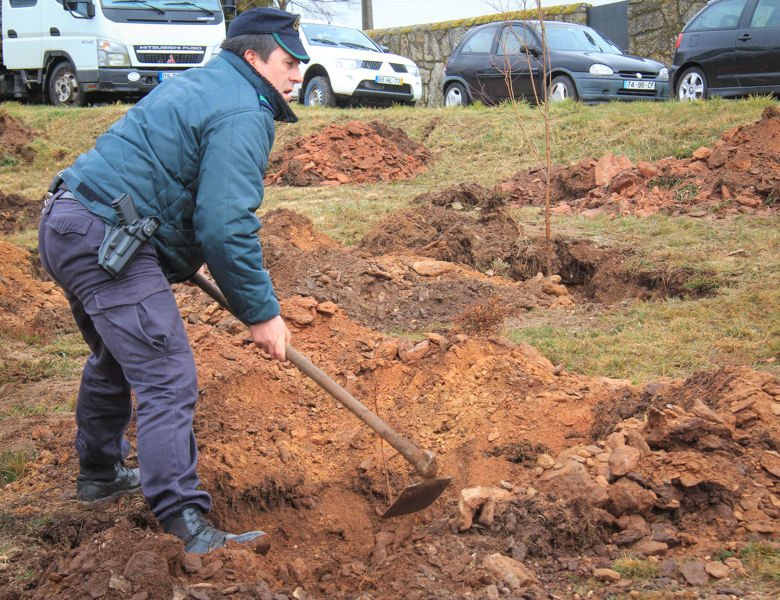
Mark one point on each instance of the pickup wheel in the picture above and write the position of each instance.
(320, 93)
(64, 86)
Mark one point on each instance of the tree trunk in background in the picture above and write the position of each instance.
(367, 10)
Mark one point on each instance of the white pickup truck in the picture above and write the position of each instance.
(346, 67)
(61, 50)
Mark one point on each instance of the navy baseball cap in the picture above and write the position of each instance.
(279, 23)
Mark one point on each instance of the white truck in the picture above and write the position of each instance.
(61, 50)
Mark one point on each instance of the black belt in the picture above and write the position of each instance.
(62, 192)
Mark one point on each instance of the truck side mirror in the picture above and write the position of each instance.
(86, 10)
(229, 8)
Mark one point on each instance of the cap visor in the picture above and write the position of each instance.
(293, 46)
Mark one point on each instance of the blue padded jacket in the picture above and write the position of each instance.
(193, 154)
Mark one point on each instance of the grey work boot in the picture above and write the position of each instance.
(96, 484)
(200, 536)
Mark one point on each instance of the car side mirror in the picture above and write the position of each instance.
(384, 48)
(533, 50)
(80, 7)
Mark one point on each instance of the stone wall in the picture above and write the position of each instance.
(431, 45)
(653, 26)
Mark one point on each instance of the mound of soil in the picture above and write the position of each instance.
(553, 473)
(27, 300)
(738, 175)
(353, 153)
(18, 212)
(15, 137)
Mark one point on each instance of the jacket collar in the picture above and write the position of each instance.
(267, 92)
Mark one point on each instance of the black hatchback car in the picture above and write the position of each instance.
(729, 48)
(496, 61)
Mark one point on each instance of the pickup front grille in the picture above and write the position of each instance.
(373, 65)
(399, 68)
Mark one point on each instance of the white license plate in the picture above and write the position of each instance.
(164, 76)
(389, 80)
(639, 85)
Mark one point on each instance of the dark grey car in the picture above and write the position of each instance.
(496, 61)
(729, 48)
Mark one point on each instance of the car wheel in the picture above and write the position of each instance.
(64, 86)
(456, 95)
(319, 93)
(562, 88)
(692, 86)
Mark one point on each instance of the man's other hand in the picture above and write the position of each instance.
(271, 336)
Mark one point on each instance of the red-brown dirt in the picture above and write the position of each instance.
(16, 212)
(738, 175)
(554, 474)
(558, 471)
(15, 138)
(353, 153)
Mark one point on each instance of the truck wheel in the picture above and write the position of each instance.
(319, 93)
(64, 87)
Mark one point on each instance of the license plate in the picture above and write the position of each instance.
(639, 85)
(164, 76)
(389, 80)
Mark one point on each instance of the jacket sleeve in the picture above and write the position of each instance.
(234, 156)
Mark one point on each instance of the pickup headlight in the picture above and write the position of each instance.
(348, 64)
(601, 70)
(215, 51)
(413, 70)
(112, 54)
(663, 74)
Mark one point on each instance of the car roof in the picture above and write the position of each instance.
(536, 22)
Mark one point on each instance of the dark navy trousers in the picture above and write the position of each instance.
(133, 327)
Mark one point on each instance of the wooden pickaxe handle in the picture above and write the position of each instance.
(424, 461)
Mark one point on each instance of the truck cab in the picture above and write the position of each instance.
(65, 49)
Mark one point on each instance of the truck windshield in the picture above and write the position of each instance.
(332, 35)
(165, 5)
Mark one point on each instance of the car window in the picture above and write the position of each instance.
(515, 38)
(571, 39)
(480, 42)
(767, 14)
(723, 15)
(320, 34)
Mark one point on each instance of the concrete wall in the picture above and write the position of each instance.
(653, 26)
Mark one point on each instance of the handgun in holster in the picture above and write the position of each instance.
(125, 239)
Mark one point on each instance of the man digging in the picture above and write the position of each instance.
(191, 156)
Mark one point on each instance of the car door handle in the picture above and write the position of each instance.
(54, 32)
(744, 37)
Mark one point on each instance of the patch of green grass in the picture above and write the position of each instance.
(632, 567)
(60, 356)
(9, 161)
(761, 560)
(686, 192)
(722, 554)
(666, 182)
(13, 465)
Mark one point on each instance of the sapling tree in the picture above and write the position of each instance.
(518, 56)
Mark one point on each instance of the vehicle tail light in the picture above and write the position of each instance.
(679, 39)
